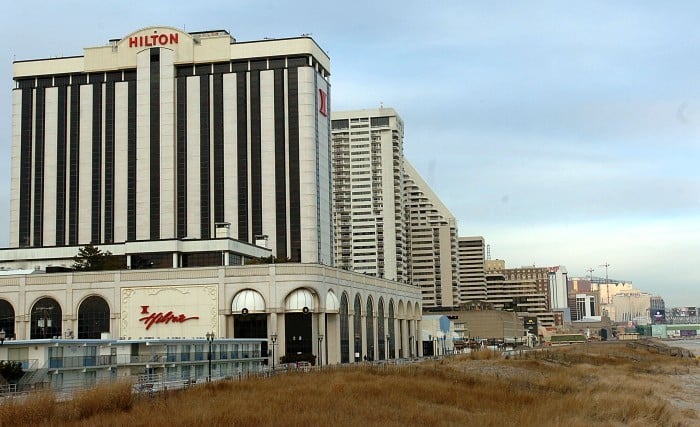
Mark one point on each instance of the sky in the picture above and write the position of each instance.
(564, 133)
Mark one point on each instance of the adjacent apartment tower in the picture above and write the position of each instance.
(163, 135)
(432, 244)
(369, 207)
(472, 277)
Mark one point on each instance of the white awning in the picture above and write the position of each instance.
(301, 300)
(248, 301)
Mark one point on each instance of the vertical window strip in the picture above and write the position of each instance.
(280, 165)
(25, 182)
(255, 154)
(109, 163)
(204, 165)
(181, 184)
(155, 144)
(131, 162)
(96, 211)
(74, 162)
(242, 152)
(62, 137)
(39, 135)
(218, 116)
(294, 196)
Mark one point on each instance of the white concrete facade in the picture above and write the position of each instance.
(290, 300)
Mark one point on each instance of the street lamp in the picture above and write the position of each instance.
(210, 339)
(388, 343)
(2, 336)
(357, 347)
(273, 339)
(320, 353)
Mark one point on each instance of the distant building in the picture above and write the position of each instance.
(513, 290)
(472, 277)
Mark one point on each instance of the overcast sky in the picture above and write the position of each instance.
(565, 133)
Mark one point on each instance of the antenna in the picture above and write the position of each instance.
(590, 272)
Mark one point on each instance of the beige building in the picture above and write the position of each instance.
(369, 205)
(472, 277)
(433, 263)
(514, 290)
(307, 308)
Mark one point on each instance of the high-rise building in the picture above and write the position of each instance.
(369, 206)
(558, 287)
(433, 262)
(163, 139)
(472, 278)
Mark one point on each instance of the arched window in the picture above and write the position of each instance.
(369, 320)
(381, 335)
(357, 323)
(46, 319)
(391, 332)
(7, 319)
(344, 330)
(93, 318)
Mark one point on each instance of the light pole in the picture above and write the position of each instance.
(320, 353)
(3, 335)
(273, 339)
(210, 339)
(357, 347)
(388, 343)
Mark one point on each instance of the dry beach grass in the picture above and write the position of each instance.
(605, 384)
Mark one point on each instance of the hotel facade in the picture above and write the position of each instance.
(186, 155)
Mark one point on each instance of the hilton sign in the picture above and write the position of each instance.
(153, 40)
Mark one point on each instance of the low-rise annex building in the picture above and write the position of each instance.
(291, 309)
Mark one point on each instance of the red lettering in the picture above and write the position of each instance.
(323, 108)
(144, 309)
(166, 318)
(154, 40)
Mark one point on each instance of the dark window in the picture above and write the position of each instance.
(7, 319)
(381, 332)
(357, 324)
(258, 65)
(152, 260)
(255, 153)
(202, 259)
(280, 165)
(344, 330)
(340, 124)
(369, 320)
(181, 183)
(96, 211)
(154, 194)
(131, 162)
(204, 151)
(218, 116)
(293, 132)
(39, 135)
(298, 61)
(109, 159)
(25, 181)
(378, 121)
(93, 318)
(242, 153)
(61, 145)
(46, 319)
(73, 196)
